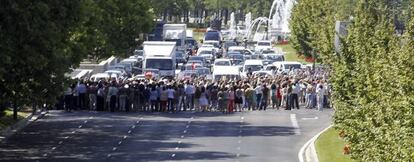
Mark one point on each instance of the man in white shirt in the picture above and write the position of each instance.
(294, 96)
(189, 96)
(259, 93)
(170, 94)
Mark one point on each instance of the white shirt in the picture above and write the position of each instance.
(258, 90)
(320, 92)
(189, 89)
(296, 89)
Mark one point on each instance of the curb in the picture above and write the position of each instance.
(11, 130)
(308, 152)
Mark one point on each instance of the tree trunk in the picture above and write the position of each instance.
(15, 110)
(164, 18)
(226, 15)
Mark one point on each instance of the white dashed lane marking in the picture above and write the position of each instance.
(66, 137)
(133, 126)
(182, 136)
(295, 123)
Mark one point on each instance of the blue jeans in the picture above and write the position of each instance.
(258, 100)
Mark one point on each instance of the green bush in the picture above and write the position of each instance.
(372, 77)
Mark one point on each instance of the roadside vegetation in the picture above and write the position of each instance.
(6, 118)
(329, 147)
(371, 73)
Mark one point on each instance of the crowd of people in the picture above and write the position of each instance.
(281, 91)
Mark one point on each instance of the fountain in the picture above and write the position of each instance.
(281, 10)
(248, 19)
(277, 22)
(232, 26)
(255, 26)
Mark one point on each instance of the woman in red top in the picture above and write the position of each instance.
(230, 106)
(278, 95)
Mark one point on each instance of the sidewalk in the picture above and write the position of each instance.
(9, 131)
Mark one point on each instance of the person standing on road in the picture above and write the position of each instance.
(100, 98)
(273, 95)
(92, 90)
(214, 98)
(259, 94)
(189, 96)
(320, 92)
(112, 95)
(239, 98)
(123, 96)
(249, 94)
(295, 95)
(265, 97)
(68, 98)
(81, 89)
(171, 96)
(203, 99)
(230, 100)
(154, 98)
(181, 97)
(163, 99)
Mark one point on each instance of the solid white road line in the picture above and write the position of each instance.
(314, 118)
(295, 124)
(302, 150)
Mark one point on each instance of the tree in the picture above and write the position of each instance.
(112, 27)
(39, 46)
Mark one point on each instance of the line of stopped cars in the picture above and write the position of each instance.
(181, 57)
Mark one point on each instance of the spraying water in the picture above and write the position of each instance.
(277, 21)
(232, 26)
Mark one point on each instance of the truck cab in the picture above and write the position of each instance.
(161, 56)
(176, 33)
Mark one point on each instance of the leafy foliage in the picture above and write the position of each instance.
(372, 76)
(43, 40)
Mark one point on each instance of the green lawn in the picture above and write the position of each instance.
(198, 36)
(7, 119)
(329, 147)
(291, 54)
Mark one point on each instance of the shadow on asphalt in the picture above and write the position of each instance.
(152, 140)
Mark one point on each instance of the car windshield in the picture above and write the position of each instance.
(275, 57)
(139, 52)
(160, 64)
(252, 68)
(212, 36)
(263, 44)
(268, 51)
(230, 44)
(179, 54)
(199, 58)
(206, 52)
(222, 63)
(203, 71)
(237, 62)
(236, 56)
(191, 42)
(293, 66)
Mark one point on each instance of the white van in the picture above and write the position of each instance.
(286, 66)
(252, 66)
(226, 73)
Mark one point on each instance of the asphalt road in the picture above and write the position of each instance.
(262, 136)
